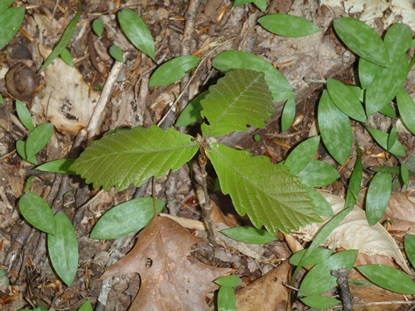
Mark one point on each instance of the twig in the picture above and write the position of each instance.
(342, 276)
(96, 118)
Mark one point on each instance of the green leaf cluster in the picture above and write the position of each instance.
(267, 193)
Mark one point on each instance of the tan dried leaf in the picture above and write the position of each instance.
(170, 279)
(67, 100)
(354, 232)
(267, 293)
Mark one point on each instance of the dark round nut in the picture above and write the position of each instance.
(21, 82)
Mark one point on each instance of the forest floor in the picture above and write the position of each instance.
(65, 97)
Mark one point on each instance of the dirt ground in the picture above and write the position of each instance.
(200, 27)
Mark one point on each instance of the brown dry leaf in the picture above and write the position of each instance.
(401, 210)
(170, 279)
(267, 293)
(67, 100)
(354, 232)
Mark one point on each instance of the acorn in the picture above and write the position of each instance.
(21, 82)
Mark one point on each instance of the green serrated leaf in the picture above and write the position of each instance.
(318, 174)
(288, 114)
(406, 107)
(288, 25)
(86, 306)
(63, 249)
(137, 32)
(239, 99)
(392, 137)
(302, 154)
(277, 83)
(389, 278)
(320, 302)
(362, 40)
(67, 57)
(125, 218)
(346, 100)
(278, 202)
(397, 40)
(24, 115)
(319, 279)
(261, 4)
(409, 244)
(10, 19)
(133, 156)
(382, 139)
(249, 235)
(37, 140)
(61, 166)
(191, 113)
(116, 53)
(323, 208)
(173, 70)
(65, 39)
(37, 212)
(228, 281)
(98, 26)
(317, 256)
(335, 129)
(386, 85)
(377, 198)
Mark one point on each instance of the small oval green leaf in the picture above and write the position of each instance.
(10, 19)
(302, 154)
(63, 249)
(226, 299)
(406, 107)
(86, 306)
(125, 218)
(98, 26)
(37, 140)
(116, 52)
(320, 302)
(191, 113)
(37, 212)
(261, 4)
(21, 148)
(367, 72)
(288, 25)
(409, 244)
(173, 70)
(288, 114)
(397, 40)
(318, 174)
(318, 255)
(323, 208)
(335, 129)
(362, 40)
(60, 166)
(392, 137)
(386, 85)
(249, 235)
(389, 278)
(346, 100)
(277, 83)
(228, 281)
(382, 139)
(404, 174)
(377, 198)
(67, 57)
(24, 115)
(137, 32)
